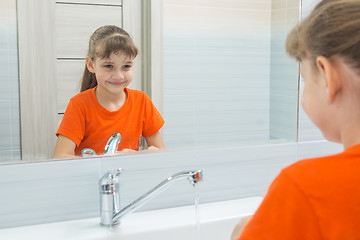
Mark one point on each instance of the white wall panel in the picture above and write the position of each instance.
(102, 2)
(9, 83)
(284, 72)
(69, 73)
(242, 4)
(216, 72)
(307, 130)
(75, 24)
(37, 72)
(66, 190)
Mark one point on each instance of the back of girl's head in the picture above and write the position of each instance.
(332, 29)
(104, 41)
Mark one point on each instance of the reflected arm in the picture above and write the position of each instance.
(64, 147)
(155, 140)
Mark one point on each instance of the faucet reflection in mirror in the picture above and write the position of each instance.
(110, 212)
(110, 147)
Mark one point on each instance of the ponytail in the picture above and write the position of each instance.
(88, 80)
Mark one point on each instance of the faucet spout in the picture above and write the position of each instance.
(193, 176)
(110, 147)
(112, 144)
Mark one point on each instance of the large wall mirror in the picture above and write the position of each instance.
(227, 80)
(216, 69)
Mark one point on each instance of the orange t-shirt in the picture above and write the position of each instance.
(316, 198)
(90, 125)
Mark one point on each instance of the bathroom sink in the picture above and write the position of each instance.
(216, 219)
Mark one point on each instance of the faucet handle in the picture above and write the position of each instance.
(87, 152)
(109, 186)
(109, 183)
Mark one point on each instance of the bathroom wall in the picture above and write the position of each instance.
(223, 59)
(216, 72)
(309, 131)
(9, 88)
(44, 192)
(284, 75)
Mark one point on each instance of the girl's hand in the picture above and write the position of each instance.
(239, 227)
(152, 148)
(128, 150)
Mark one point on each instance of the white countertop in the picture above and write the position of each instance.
(171, 221)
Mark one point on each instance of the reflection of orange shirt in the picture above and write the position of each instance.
(312, 199)
(90, 125)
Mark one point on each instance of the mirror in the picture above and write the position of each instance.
(226, 79)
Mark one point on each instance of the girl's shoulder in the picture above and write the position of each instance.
(326, 167)
(83, 99)
(137, 94)
(85, 95)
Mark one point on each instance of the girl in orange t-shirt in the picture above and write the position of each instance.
(319, 198)
(105, 105)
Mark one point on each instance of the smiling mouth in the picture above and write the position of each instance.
(117, 83)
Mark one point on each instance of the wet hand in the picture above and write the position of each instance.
(152, 148)
(239, 227)
(128, 150)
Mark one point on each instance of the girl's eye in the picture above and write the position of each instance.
(127, 67)
(108, 66)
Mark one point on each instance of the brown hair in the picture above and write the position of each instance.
(104, 41)
(332, 28)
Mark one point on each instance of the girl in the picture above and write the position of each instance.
(105, 105)
(319, 198)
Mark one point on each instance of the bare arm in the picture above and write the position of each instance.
(155, 141)
(64, 147)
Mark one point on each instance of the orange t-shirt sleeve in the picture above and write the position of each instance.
(285, 213)
(73, 123)
(152, 121)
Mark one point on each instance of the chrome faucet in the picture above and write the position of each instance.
(112, 144)
(110, 212)
(110, 147)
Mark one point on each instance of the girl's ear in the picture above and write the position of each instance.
(329, 71)
(90, 64)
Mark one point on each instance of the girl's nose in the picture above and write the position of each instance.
(118, 75)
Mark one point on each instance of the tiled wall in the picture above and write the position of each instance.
(216, 72)
(284, 72)
(64, 190)
(223, 59)
(309, 132)
(9, 87)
